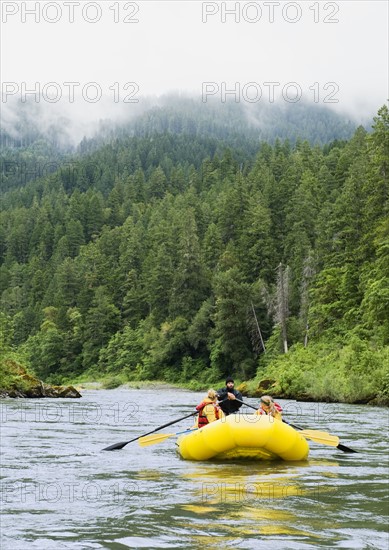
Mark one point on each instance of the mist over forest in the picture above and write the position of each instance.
(64, 125)
(185, 241)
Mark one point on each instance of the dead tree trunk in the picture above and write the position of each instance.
(282, 302)
(308, 274)
(258, 329)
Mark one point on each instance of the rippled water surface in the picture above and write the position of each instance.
(59, 490)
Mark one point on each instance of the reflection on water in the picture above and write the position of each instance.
(248, 503)
(60, 491)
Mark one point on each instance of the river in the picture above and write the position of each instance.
(59, 490)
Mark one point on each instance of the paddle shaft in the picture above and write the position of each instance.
(118, 446)
(162, 437)
(340, 446)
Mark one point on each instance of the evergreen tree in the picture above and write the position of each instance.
(189, 285)
(230, 318)
(101, 321)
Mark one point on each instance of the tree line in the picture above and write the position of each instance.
(178, 257)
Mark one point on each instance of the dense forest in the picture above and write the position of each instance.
(173, 253)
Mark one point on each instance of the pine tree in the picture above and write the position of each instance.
(189, 284)
(230, 318)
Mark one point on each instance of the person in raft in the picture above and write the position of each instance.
(209, 410)
(228, 398)
(270, 407)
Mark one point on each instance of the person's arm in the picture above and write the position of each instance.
(221, 394)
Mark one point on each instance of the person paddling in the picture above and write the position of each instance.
(228, 398)
(270, 407)
(209, 410)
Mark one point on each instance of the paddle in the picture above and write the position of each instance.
(147, 440)
(338, 446)
(154, 439)
(124, 443)
(316, 435)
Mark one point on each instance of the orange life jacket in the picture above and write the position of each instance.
(203, 420)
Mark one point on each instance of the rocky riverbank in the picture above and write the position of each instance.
(16, 382)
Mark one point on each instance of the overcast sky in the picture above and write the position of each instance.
(333, 53)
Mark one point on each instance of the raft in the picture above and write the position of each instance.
(244, 436)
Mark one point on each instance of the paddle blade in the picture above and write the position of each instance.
(326, 439)
(116, 446)
(124, 443)
(321, 437)
(153, 439)
(318, 433)
(345, 449)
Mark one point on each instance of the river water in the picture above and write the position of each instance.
(59, 490)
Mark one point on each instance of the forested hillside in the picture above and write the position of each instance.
(184, 256)
(36, 141)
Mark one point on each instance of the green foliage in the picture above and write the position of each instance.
(112, 382)
(6, 333)
(45, 349)
(157, 258)
(351, 373)
(230, 319)
(123, 353)
(12, 374)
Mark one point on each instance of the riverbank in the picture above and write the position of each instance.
(355, 373)
(141, 385)
(343, 375)
(251, 388)
(17, 382)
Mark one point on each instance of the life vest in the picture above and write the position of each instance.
(278, 411)
(203, 420)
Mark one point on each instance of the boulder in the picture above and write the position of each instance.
(69, 391)
(267, 385)
(22, 384)
(60, 391)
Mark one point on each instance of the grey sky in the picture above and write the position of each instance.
(335, 52)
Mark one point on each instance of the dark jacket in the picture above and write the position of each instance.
(229, 406)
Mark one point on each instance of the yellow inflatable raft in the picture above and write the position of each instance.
(248, 436)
